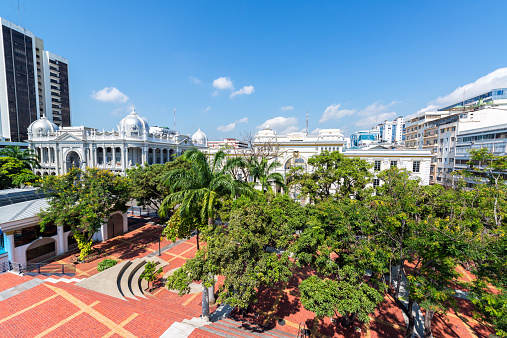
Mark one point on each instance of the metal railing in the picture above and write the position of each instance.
(50, 268)
(38, 268)
(11, 266)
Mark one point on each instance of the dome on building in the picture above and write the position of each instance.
(199, 138)
(133, 125)
(42, 126)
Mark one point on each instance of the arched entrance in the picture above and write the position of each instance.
(114, 226)
(72, 160)
(41, 250)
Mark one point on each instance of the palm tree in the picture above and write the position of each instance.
(201, 188)
(262, 171)
(27, 156)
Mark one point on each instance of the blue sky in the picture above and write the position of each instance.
(231, 67)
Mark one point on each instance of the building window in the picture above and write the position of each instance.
(376, 182)
(416, 165)
(394, 164)
(377, 166)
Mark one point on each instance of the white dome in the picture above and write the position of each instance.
(199, 138)
(133, 125)
(42, 126)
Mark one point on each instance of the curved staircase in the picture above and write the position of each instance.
(121, 281)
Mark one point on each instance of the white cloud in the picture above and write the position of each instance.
(495, 79)
(367, 117)
(226, 128)
(110, 94)
(215, 93)
(207, 109)
(287, 108)
(373, 120)
(223, 83)
(246, 90)
(375, 113)
(333, 112)
(195, 80)
(122, 111)
(233, 125)
(282, 125)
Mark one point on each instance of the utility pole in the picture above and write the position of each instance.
(174, 125)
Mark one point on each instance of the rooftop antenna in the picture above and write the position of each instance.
(307, 122)
(19, 20)
(174, 125)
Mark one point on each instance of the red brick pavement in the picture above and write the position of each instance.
(65, 310)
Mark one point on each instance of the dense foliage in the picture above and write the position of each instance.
(401, 239)
(147, 182)
(241, 251)
(14, 173)
(106, 264)
(84, 201)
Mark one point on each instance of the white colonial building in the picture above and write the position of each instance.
(133, 143)
(295, 149)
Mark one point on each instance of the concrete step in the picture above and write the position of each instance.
(218, 332)
(196, 322)
(108, 281)
(253, 329)
(135, 282)
(127, 277)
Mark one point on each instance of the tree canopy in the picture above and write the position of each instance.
(332, 174)
(14, 173)
(84, 201)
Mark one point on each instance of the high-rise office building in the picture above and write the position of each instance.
(33, 82)
(56, 89)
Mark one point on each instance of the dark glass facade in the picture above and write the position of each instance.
(20, 77)
(64, 93)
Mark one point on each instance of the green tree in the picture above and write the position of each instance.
(348, 296)
(148, 182)
(428, 231)
(151, 273)
(262, 172)
(27, 156)
(243, 252)
(84, 201)
(488, 262)
(13, 173)
(333, 174)
(201, 188)
(339, 243)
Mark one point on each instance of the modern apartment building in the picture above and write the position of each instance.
(25, 85)
(364, 138)
(391, 132)
(56, 89)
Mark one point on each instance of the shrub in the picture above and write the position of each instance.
(106, 264)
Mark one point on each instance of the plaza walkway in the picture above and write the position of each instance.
(36, 306)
